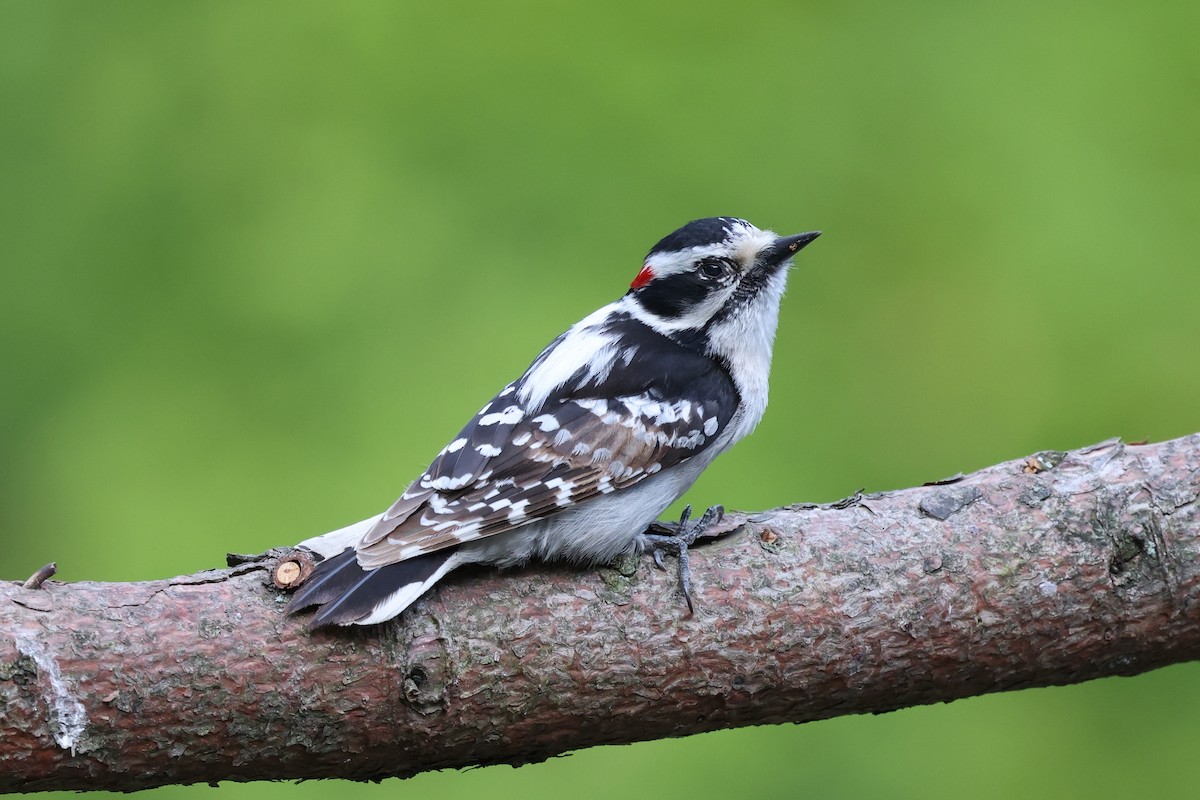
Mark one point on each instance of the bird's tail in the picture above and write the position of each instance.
(348, 594)
(334, 542)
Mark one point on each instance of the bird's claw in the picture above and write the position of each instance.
(677, 538)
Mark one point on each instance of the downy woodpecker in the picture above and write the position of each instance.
(575, 459)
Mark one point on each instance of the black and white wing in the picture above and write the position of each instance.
(539, 448)
(602, 430)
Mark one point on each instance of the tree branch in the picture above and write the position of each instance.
(1049, 570)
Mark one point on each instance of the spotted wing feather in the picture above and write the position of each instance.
(513, 465)
(457, 466)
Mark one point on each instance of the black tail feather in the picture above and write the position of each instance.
(323, 586)
(347, 593)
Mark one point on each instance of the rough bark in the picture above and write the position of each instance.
(1048, 570)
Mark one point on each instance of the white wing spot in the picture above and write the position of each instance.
(563, 496)
(522, 438)
(488, 450)
(517, 512)
(469, 530)
(710, 426)
(455, 446)
(509, 416)
(548, 422)
(408, 551)
(446, 483)
(596, 406)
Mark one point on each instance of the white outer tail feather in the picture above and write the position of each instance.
(333, 543)
(330, 544)
(406, 595)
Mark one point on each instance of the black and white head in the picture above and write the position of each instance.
(716, 283)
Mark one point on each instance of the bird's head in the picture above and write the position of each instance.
(712, 273)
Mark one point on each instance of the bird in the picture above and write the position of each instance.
(576, 459)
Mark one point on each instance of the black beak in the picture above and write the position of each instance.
(787, 246)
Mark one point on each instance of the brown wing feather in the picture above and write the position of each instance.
(546, 463)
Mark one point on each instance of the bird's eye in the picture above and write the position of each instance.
(711, 268)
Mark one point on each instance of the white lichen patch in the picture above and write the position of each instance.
(68, 718)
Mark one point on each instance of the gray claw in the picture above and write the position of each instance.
(677, 538)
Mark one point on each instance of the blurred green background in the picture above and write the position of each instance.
(261, 260)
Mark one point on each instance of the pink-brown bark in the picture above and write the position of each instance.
(1028, 573)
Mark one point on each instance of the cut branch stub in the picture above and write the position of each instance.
(292, 569)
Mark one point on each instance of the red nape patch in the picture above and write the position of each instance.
(643, 277)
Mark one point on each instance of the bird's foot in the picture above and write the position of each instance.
(677, 537)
